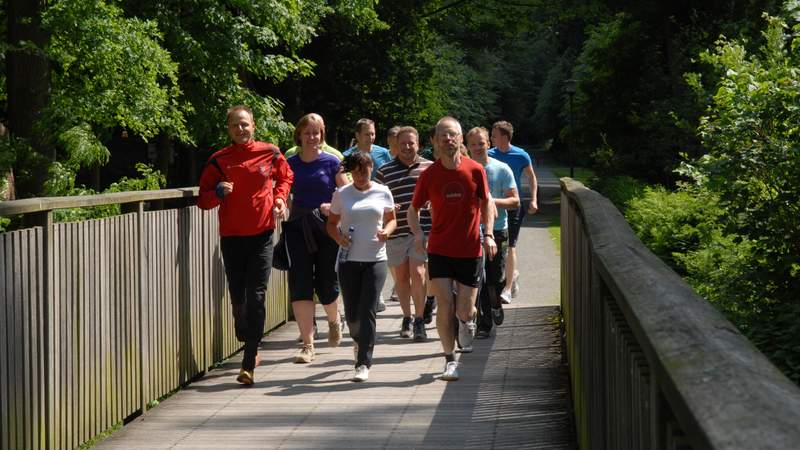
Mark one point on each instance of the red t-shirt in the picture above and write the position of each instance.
(259, 174)
(455, 196)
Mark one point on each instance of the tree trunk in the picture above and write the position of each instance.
(27, 83)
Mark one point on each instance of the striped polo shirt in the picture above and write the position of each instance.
(401, 180)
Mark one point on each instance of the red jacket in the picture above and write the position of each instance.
(259, 174)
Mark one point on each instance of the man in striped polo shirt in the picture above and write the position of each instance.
(400, 175)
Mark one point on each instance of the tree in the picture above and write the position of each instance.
(27, 88)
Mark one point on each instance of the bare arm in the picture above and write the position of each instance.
(510, 201)
(332, 227)
(487, 218)
(389, 225)
(412, 216)
(533, 206)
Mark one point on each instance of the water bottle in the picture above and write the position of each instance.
(345, 251)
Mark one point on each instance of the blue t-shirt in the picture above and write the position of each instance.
(516, 158)
(379, 155)
(315, 181)
(500, 180)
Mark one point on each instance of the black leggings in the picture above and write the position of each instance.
(361, 284)
(248, 262)
(493, 281)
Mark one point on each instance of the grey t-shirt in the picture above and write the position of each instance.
(363, 210)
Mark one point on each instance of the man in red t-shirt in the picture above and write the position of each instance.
(458, 192)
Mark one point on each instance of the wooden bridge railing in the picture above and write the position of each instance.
(654, 366)
(99, 318)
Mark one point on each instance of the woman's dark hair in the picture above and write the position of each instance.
(356, 160)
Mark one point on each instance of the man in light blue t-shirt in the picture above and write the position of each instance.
(365, 142)
(505, 197)
(520, 162)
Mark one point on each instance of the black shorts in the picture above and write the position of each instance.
(515, 218)
(466, 271)
(311, 273)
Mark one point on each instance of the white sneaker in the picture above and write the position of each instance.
(466, 333)
(515, 285)
(450, 371)
(362, 373)
(505, 296)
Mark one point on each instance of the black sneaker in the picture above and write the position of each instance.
(498, 315)
(427, 313)
(405, 329)
(420, 334)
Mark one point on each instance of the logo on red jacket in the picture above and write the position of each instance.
(262, 169)
(453, 192)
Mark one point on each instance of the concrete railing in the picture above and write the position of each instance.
(653, 365)
(98, 318)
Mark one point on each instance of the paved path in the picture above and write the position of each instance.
(513, 391)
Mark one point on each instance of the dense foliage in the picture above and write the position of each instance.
(734, 230)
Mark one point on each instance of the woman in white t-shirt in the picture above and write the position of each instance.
(361, 219)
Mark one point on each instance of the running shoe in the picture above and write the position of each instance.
(450, 371)
(427, 313)
(466, 333)
(505, 296)
(466, 349)
(393, 297)
(420, 333)
(498, 315)
(515, 285)
(405, 328)
(362, 373)
(381, 305)
(305, 355)
(245, 377)
(335, 333)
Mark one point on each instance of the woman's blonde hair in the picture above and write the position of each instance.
(308, 119)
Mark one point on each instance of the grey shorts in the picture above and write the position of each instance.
(401, 248)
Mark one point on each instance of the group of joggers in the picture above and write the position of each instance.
(444, 226)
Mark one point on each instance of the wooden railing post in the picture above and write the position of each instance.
(143, 309)
(47, 384)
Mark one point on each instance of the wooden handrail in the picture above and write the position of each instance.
(650, 357)
(40, 204)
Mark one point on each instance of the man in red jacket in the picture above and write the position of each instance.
(249, 181)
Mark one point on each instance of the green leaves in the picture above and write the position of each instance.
(110, 71)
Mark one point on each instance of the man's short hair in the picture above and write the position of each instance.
(394, 131)
(478, 130)
(448, 119)
(233, 109)
(506, 129)
(408, 129)
(363, 123)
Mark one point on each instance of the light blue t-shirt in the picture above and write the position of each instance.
(516, 158)
(380, 156)
(500, 180)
